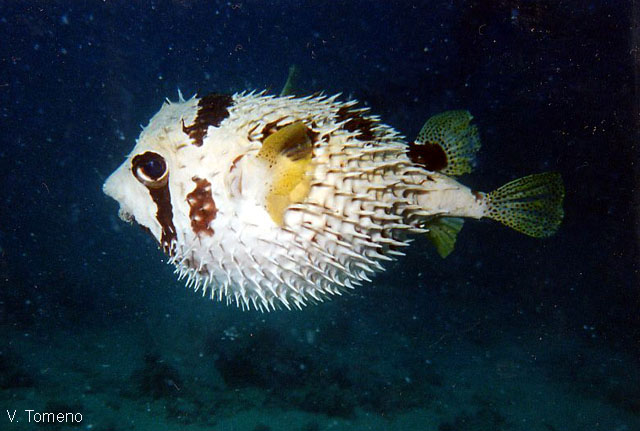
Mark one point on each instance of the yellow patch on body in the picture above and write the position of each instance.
(288, 154)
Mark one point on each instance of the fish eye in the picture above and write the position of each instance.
(150, 169)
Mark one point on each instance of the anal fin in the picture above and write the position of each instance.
(443, 232)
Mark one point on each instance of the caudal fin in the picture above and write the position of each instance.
(531, 205)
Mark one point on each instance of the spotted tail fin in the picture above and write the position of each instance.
(531, 205)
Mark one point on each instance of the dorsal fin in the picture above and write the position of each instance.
(288, 154)
(447, 143)
(290, 85)
(443, 232)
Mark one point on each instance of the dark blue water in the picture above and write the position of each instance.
(508, 333)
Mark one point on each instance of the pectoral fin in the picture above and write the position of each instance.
(288, 154)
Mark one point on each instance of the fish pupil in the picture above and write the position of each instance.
(154, 168)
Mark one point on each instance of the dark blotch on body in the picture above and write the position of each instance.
(270, 128)
(313, 135)
(162, 198)
(430, 156)
(356, 122)
(212, 109)
(203, 209)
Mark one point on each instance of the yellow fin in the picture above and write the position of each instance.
(443, 232)
(291, 141)
(449, 142)
(292, 80)
(531, 205)
(288, 154)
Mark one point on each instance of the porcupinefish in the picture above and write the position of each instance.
(271, 202)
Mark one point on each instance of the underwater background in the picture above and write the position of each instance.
(507, 333)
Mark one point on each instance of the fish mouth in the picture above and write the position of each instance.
(126, 216)
(130, 218)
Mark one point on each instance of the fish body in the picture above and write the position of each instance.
(271, 202)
